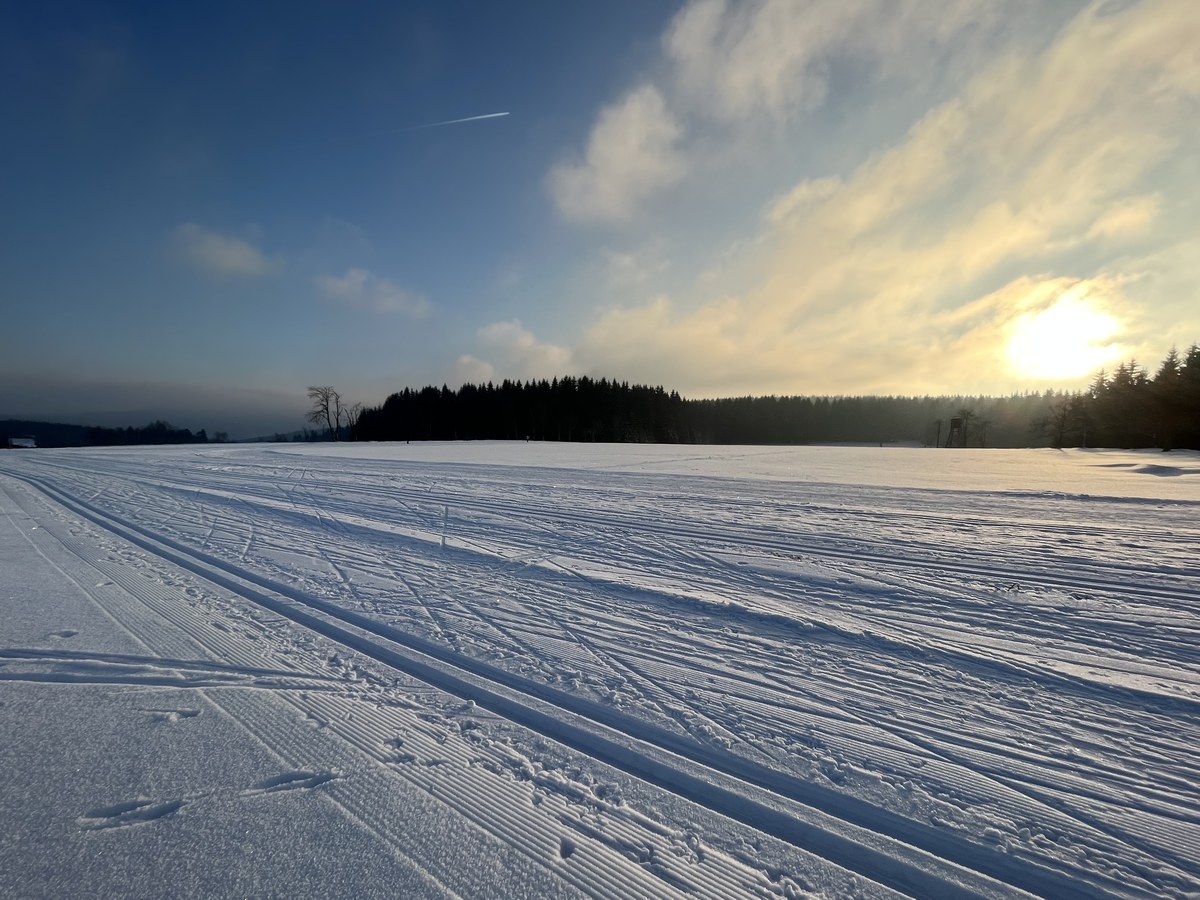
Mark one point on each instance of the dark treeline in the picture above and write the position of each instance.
(1128, 408)
(57, 434)
(583, 409)
(565, 409)
(1131, 408)
(158, 432)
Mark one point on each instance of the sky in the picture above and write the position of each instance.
(208, 207)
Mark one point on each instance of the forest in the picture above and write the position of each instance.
(1127, 407)
(57, 434)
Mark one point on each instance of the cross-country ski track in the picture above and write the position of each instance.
(506, 669)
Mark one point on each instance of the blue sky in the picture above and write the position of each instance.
(209, 207)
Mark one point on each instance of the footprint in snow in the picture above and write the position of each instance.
(134, 812)
(566, 848)
(289, 781)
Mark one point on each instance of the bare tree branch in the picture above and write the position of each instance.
(326, 409)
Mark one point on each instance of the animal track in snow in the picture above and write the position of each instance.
(134, 812)
(289, 781)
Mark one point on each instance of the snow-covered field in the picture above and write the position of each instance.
(495, 670)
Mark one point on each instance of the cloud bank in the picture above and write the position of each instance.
(1054, 168)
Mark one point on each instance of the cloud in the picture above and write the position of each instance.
(470, 369)
(510, 275)
(738, 59)
(512, 351)
(360, 289)
(727, 65)
(709, 351)
(779, 58)
(909, 268)
(220, 254)
(631, 155)
(801, 199)
(630, 269)
(1128, 217)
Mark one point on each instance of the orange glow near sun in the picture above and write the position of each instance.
(1071, 338)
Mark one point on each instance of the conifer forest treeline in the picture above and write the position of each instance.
(57, 434)
(1125, 408)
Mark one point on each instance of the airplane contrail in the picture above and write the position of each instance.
(408, 128)
(455, 121)
(372, 134)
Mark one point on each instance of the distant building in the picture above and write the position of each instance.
(24, 441)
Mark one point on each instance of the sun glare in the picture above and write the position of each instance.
(1067, 340)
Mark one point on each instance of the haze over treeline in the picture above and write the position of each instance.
(1125, 408)
(58, 434)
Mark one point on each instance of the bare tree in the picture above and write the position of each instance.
(1065, 419)
(326, 409)
(351, 414)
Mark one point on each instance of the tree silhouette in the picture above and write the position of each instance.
(326, 409)
(1123, 409)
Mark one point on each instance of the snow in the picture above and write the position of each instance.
(520, 669)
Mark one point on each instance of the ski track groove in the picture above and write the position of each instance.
(358, 807)
(663, 706)
(631, 522)
(115, 526)
(649, 539)
(612, 875)
(1032, 875)
(857, 556)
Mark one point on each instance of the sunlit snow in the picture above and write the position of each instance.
(522, 669)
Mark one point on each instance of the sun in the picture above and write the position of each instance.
(1069, 339)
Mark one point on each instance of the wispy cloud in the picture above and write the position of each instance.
(220, 254)
(725, 65)
(630, 269)
(911, 267)
(733, 61)
(360, 289)
(777, 58)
